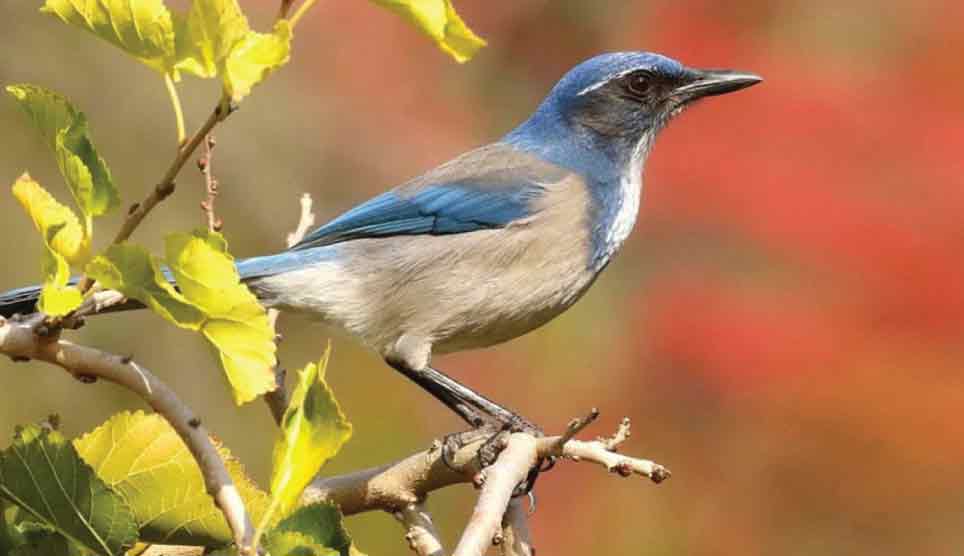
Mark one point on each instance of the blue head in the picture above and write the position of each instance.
(607, 110)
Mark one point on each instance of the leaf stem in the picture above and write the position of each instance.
(300, 12)
(178, 113)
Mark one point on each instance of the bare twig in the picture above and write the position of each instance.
(516, 539)
(602, 452)
(500, 479)
(305, 222)
(210, 185)
(277, 399)
(20, 341)
(166, 186)
(420, 531)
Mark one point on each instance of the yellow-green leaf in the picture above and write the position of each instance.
(256, 56)
(42, 473)
(140, 456)
(56, 297)
(63, 240)
(207, 34)
(141, 28)
(55, 222)
(313, 430)
(211, 300)
(439, 20)
(131, 270)
(236, 323)
(65, 130)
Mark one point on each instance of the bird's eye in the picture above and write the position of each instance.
(639, 83)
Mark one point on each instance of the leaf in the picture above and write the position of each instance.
(312, 525)
(131, 270)
(295, 544)
(42, 473)
(50, 544)
(211, 300)
(55, 222)
(215, 39)
(142, 28)
(256, 56)
(313, 430)
(11, 535)
(63, 240)
(56, 297)
(143, 458)
(438, 20)
(207, 35)
(65, 130)
(237, 325)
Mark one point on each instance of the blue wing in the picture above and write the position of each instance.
(486, 188)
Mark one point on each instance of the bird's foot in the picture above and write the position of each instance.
(495, 433)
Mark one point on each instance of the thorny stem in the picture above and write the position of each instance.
(210, 186)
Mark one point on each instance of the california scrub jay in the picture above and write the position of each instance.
(494, 243)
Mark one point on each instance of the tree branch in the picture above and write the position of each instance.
(396, 486)
(521, 453)
(516, 539)
(420, 531)
(20, 341)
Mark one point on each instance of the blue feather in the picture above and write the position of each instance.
(434, 209)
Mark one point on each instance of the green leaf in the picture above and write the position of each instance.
(131, 270)
(438, 20)
(315, 525)
(11, 535)
(236, 324)
(42, 474)
(207, 34)
(65, 130)
(295, 544)
(49, 544)
(256, 56)
(143, 458)
(143, 28)
(63, 239)
(313, 430)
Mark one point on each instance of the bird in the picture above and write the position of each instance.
(494, 243)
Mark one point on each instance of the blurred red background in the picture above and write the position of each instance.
(784, 327)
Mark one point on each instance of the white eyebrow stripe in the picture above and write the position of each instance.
(599, 84)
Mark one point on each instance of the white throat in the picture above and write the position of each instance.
(630, 185)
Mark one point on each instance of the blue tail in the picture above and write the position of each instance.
(24, 300)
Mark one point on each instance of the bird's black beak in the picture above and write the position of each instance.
(704, 83)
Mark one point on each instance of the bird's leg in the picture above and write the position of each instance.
(486, 416)
(474, 408)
